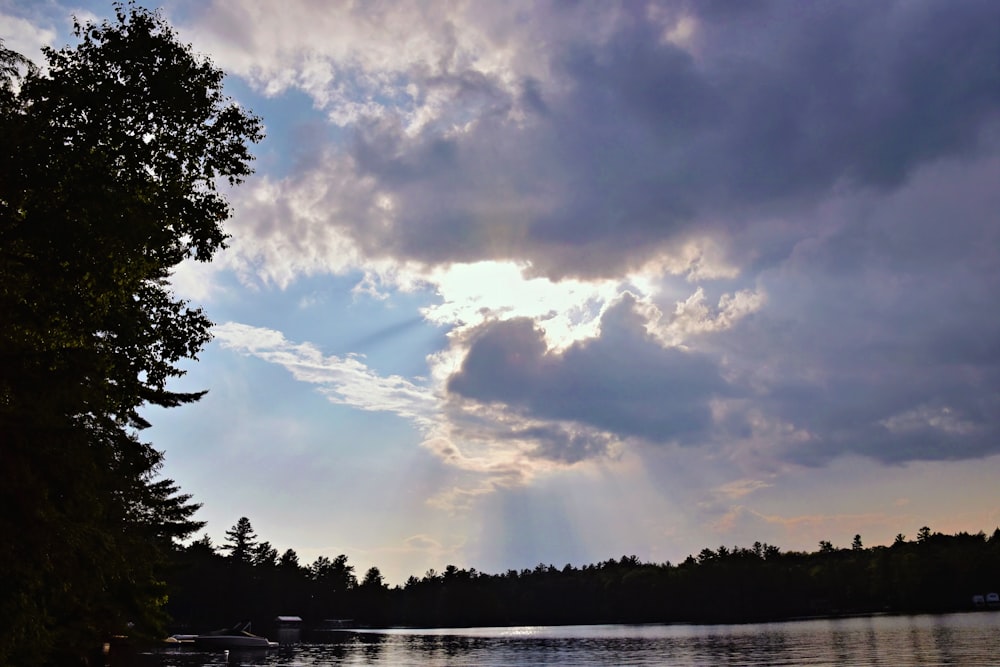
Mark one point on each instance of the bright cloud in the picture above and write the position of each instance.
(343, 380)
(23, 36)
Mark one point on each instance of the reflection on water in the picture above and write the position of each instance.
(954, 639)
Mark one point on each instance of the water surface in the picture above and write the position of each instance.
(897, 641)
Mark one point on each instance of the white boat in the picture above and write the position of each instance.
(239, 636)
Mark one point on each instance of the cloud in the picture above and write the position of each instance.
(286, 228)
(874, 335)
(742, 487)
(879, 334)
(343, 380)
(513, 405)
(624, 382)
(19, 34)
(589, 141)
(361, 61)
(500, 450)
(764, 231)
(617, 145)
(472, 294)
(422, 543)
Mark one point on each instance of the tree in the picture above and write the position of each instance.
(334, 576)
(264, 555)
(203, 544)
(856, 543)
(241, 542)
(109, 162)
(289, 561)
(373, 579)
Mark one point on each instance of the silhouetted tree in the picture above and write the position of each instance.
(289, 560)
(109, 158)
(373, 579)
(204, 542)
(332, 580)
(264, 555)
(241, 542)
(371, 598)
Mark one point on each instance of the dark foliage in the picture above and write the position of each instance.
(109, 160)
(936, 573)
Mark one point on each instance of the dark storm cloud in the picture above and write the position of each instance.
(882, 337)
(636, 142)
(623, 382)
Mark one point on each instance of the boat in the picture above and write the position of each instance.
(335, 624)
(238, 636)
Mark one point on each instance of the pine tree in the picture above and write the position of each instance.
(241, 542)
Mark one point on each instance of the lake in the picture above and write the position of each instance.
(951, 639)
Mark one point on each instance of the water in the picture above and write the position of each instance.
(897, 641)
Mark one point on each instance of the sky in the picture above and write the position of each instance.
(556, 282)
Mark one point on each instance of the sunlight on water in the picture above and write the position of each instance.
(897, 641)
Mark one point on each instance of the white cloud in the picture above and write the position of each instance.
(693, 317)
(365, 60)
(19, 34)
(281, 228)
(343, 380)
(198, 281)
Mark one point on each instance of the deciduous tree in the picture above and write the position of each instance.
(110, 164)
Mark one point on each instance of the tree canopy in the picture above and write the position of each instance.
(112, 162)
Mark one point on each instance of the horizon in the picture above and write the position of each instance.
(550, 284)
(763, 547)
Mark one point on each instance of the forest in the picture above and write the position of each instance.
(247, 578)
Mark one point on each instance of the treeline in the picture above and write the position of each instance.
(247, 578)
